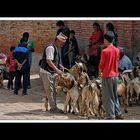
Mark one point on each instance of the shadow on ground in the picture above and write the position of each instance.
(39, 112)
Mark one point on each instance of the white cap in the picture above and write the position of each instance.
(61, 37)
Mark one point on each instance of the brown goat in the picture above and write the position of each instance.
(72, 95)
(134, 87)
(122, 92)
(66, 83)
(90, 100)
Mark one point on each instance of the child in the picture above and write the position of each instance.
(73, 48)
(12, 68)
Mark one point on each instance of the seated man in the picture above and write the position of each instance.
(124, 62)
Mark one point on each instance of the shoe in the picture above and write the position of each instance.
(29, 86)
(56, 110)
(119, 117)
(16, 92)
(24, 93)
(8, 87)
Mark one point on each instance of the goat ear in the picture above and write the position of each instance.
(87, 78)
(99, 85)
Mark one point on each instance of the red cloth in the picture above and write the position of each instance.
(11, 63)
(109, 61)
(95, 38)
(94, 50)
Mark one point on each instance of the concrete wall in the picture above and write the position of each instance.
(36, 58)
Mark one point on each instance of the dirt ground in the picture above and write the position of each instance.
(31, 107)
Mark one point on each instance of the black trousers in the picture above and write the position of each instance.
(11, 78)
(93, 65)
(18, 75)
(65, 56)
(65, 61)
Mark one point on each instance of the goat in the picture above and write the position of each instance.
(134, 87)
(90, 101)
(133, 83)
(67, 84)
(73, 95)
(122, 90)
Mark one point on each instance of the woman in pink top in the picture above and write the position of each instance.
(12, 68)
(94, 50)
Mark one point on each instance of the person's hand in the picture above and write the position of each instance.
(62, 68)
(100, 74)
(59, 72)
(19, 66)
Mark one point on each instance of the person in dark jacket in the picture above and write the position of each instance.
(31, 49)
(21, 57)
(73, 49)
(64, 55)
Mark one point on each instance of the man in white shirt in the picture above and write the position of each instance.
(49, 66)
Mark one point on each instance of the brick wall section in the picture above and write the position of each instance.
(136, 36)
(125, 35)
(123, 28)
(83, 31)
(43, 32)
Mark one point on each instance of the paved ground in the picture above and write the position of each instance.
(31, 107)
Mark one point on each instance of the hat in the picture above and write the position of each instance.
(61, 37)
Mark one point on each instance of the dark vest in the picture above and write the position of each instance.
(56, 60)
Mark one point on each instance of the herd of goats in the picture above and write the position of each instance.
(83, 96)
